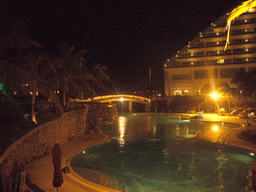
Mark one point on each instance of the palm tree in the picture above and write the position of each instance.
(246, 83)
(225, 89)
(102, 83)
(29, 67)
(72, 76)
(13, 35)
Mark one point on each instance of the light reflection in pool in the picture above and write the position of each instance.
(159, 153)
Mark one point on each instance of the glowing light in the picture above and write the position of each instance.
(215, 128)
(245, 6)
(214, 95)
(121, 99)
(83, 151)
(121, 125)
(252, 154)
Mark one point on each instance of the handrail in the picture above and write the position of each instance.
(227, 136)
(219, 137)
(223, 140)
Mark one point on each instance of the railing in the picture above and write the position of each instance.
(227, 138)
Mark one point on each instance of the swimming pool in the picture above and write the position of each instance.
(153, 152)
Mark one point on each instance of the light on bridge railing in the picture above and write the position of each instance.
(121, 99)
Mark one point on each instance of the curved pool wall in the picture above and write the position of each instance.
(160, 153)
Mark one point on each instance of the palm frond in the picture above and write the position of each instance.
(245, 6)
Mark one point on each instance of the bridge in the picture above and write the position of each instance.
(111, 98)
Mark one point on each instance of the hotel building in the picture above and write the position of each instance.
(204, 60)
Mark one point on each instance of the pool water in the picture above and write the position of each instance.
(154, 152)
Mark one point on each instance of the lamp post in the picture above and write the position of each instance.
(215, 96)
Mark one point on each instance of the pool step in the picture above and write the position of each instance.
(101, 178)
(110, 181)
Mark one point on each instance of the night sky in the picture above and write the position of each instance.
(128, 37)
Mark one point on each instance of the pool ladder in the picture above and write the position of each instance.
(227, 138)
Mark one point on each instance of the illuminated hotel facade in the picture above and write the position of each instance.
(204, 60)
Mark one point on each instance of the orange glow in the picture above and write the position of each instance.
(214, 95)
(215, 128)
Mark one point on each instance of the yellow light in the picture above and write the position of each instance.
(215, 128)
(121, 99)
(214, 95)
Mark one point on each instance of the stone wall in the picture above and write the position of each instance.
(41, 140)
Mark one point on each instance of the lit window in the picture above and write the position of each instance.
(221, 61)
(188, 45)
(26, 84)
(165, 65)
(217, 33)
(246, 49)
(246, 40)
(245, 20)
(168, 59)
(177, 92)
(177, 55)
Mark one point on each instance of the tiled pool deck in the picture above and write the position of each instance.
(40, 172)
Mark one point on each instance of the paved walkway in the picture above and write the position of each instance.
(40, 172)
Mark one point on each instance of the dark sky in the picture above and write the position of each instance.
(126, 36)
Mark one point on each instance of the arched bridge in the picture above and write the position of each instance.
(110, 98)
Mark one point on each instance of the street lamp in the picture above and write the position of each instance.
(215, 96)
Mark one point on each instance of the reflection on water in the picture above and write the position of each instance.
(160, 153)
(122, 126)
